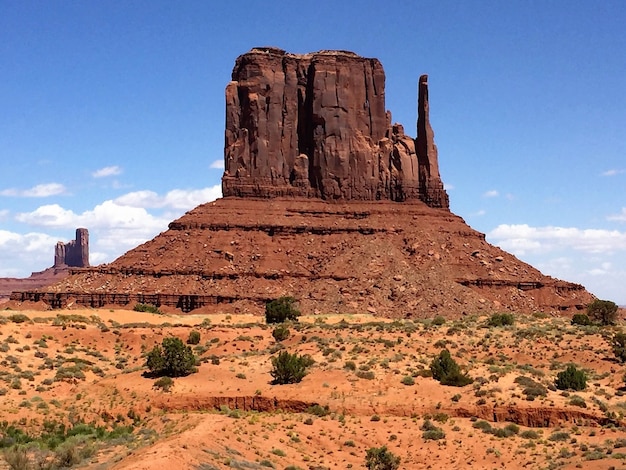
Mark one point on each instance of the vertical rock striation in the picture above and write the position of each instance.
(74, 253)
(315, 125)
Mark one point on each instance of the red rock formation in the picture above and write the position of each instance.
(314, 173)
(72, 254)
(395, 260)
(315, 125)
(75, 253)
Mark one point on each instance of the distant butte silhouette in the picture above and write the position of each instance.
(326, 200)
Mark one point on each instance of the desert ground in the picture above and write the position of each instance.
(74, 392)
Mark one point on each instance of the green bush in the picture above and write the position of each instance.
(571, 379)
(281, 333)
(281, 310)
(603, 311)
(447, 371)
(379, 458)
(618, 343)
(172, 359)
(289, 368)
(146, 308)
(318, 410)
(19, 318)
(194, 337)
(408, 380)
(431, 432)
(581, 319)
(438, 321)
(164, 383)
(501, 319)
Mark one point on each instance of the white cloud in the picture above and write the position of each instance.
(612, 172)
(479, 213)
(621, 217)
(3, 214)
(520, 239)
(23, 253)
(41, 190)
(491, 193)
(115, 226)
(107, 171)
(217, 164)
(176, 199)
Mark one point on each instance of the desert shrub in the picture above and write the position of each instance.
(581, 319)
(16, 457)
(19, 318)
(173, 359)
(194, 337)
(529, 434)
(289, 368)
(431, 432)
(532, 389)
(447, 371)
(501, 319)
(147, 308)
(438, 321)
(281, 333)
(70, 373)
(408, 380)
(350, 365)
(281, 310)
(379, 458)
(559, 436)
(484, 426)
(577, 401)
(571, 379)
(365, 374)
(618, 343)
(603, 311)
(164, 383)
(318, 410)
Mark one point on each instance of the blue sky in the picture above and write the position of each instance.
(113, 116)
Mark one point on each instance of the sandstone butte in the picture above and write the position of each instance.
(326, 200)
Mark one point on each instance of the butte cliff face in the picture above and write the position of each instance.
(74, 253)
(315, 125)
(327, 201)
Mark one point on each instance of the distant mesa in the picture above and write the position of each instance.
(73, 254)
(325, 199)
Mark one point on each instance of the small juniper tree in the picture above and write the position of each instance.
(618, 343)
(603, 311)
(194, 337)
(447, 371)
(571, 379)
(172, 359)
(281, 333)
(379, 458)
(581, 319)
(281, 310)
(289, 368)
(501, 319)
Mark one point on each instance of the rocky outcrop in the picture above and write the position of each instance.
(395, 260)
(315, 125)
(74, 253)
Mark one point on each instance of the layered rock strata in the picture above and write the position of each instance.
(315, 125)
(394, 260)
